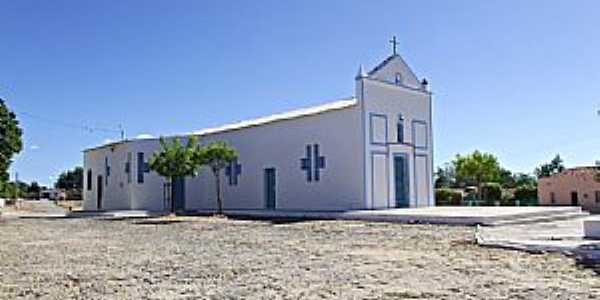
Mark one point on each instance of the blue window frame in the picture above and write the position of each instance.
(306, 163)
(142, 167)
(128, 167)
(312, 163)
(319, 162)
(106, 170)
(233, 171)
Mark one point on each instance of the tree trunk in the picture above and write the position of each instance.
(219, 200)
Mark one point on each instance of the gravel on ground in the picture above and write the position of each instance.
(215, 258)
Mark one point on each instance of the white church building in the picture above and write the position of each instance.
(370, 151)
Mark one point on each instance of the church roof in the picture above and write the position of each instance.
(293, 114)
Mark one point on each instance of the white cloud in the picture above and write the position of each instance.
(144, 136)
(34, 147)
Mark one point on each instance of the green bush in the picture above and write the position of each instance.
(445, 196)
(491, 192)
(526, 194)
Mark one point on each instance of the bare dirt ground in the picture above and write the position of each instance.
(210, 258)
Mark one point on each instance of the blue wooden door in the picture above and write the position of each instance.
(401, 181)
(100, 192)
(178, 195)
(270, 191)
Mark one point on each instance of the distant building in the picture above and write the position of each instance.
(369, 151)
(577, 187)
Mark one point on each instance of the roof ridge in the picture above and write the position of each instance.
(280, 116)
(338, 104)
(382, 64)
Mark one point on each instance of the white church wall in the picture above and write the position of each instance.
(391, 101)
(380, 180)
(394, 67)
(115, 189)
(149, 193)
(422, 181)
(282, 145)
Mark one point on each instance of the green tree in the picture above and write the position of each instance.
(556, 165)
(70, 179)
(10, 190)
(34, 190)
(10, 141)
(176, 160)
(478, 167)
(445, 176)
(507, 178)
(522, 179)
(216, 156)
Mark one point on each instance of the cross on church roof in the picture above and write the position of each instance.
(394, 43)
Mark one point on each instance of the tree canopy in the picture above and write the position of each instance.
(216, 156)
(70, 179)
(478, 167)
(10, 140)
(556, 165)
(445, 176)
(176, 159)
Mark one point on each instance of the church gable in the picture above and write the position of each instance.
(394, 70)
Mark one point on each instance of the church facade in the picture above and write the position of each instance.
(370, 151)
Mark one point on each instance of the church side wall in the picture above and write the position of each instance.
(281, 145)
(115, 190)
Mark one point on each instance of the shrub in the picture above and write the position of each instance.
(526, 194)
(508, 198)
(445, 196)
(491, 192)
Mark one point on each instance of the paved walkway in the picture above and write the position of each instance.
(566, 237)
(41, 208)
(432, 215)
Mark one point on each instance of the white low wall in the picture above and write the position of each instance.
(591, 228)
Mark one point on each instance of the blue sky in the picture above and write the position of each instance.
(516, 78)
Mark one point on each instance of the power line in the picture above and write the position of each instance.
(83, 127)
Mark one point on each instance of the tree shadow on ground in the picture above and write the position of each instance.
(274, 220)
(281, 220)
(158, 222)
(143, 220)
(588, 257)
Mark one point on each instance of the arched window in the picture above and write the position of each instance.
(398, 79)
(400, 129)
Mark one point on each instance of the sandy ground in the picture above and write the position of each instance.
(211, 258)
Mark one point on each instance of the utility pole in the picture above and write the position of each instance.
(122, 131)
(16, 185)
